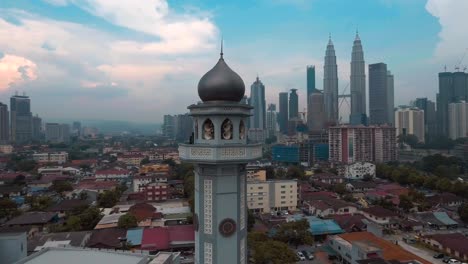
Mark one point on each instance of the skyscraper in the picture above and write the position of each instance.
(458, 120)
(57, 133)
(310, 79)
(21, 118)
(453, 87)
(390, 98)
(257, 101)
(330, 84)
(220, 153)
(76, 128)
(283, 112)
(183, 127)
(358, 84)
(293, 104)
(410, 121)
(36, 128)
(169, 126)
(430, 125)
(271, 120)
(379, 101)
(4, 123)
(316, 111)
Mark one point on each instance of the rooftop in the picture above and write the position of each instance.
(379, 211)
(31, 218)
(454, 241)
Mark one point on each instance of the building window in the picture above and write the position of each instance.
(260, 187)
(208, 132)
(283, 186)
(283, 197)
(260, 198)
(226, 130)
(283, 191)
(241, 130)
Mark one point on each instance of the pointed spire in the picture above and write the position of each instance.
(357, 35)
(329, 39)
(221, 54)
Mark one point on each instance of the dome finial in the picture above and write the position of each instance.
(221, 47)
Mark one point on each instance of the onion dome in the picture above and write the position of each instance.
(221, 84)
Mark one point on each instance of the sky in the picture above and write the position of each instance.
(138, 60)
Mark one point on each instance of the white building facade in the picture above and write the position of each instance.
(410, 121)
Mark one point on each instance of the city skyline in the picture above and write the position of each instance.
(118, 66)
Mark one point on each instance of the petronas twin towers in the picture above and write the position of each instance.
(358, 84)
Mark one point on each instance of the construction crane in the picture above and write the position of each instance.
(457, 66)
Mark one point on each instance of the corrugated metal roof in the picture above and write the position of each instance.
(444, 218)
(134, 236)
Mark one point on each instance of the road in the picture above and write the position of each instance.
(422, 253)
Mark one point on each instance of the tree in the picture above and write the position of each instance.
(463, 212)
(280, 173)
(295, 172)
(61, 186)
(73, 223)
(108, 198)
(90, 217)
(39, 203)
(127, 221)
(8, 208)
(405, 203)
(340, 188)
(271, 251)
(296, 233)
(145, 161)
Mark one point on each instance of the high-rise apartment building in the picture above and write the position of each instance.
(453, 87)
(358, 84)
(57, 133)
(293, 104)
(390, 98)
(283, 112)
(4, 123)
(274, 195)
(36, 128)
(76, 128)
(169, 126)
(380, 95)
(183, 127)
(20, 118)
(458, 120)
(257, 101)
(316, 116)
(271, 121)
(310, 79)
(349, 144)
(410, 121)
(430, 118)
(330, 84)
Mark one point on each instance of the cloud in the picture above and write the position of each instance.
(15, 70)
(452, 17)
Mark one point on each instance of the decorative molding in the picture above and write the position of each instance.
(233, 152)
(201, 153)
(242, 251)
(227, 227)
(208, 207)
(242, 202)
(208, 253)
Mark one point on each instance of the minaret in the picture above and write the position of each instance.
(358, 84)
(330, 84)
(220, 153)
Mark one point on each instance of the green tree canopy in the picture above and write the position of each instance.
(295, 172)
(127, 221)
(296, 233)
(463, 212)
(274, 252)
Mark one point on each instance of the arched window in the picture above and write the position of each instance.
(226, 129)
(208, 130)
(196, 127)
(241, 130)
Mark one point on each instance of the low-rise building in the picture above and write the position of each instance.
(141, 181)
(52, 157)
(325, 208)
(112, 175)
(453, 244)
(328, 178)
(277, 195)
(131, 159)
(381, 216)
(6, 149)
(256, 174)
(360, 186)
(359, 171)
(353, 247)
(33, 219)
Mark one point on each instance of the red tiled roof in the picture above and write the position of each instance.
(350, 223)
(180, 233)
(12, 175)
(155, 239)
(379, 211)
(97, 185)
(454, 241)
(142, 211)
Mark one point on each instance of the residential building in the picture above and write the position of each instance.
(6, 149)
(255, 174)
(13, 247)
(169, 126)
(430, 117)
(183, 127)
(359, 170)
(112, 175)
(20, 118)
(57, 133)
(257, 101)
(4, 123)
(356, 246)
(328, 207)
(52, 157)
(453, 87)
(141, 181)
(271, 121)
(452, 244)
(267, 196)
(358, 84)
(131, 159)
(316, 115)
(380, 215)
(380, 95)
(458, 120)
(283, 113)
(293, 105)
(349, 144)
(410, 121)
(330, 84)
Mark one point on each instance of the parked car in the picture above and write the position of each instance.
(300, 255)
(454, 261)
(308, 255)
(439, 256)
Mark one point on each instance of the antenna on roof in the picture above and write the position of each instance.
(221, 47)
